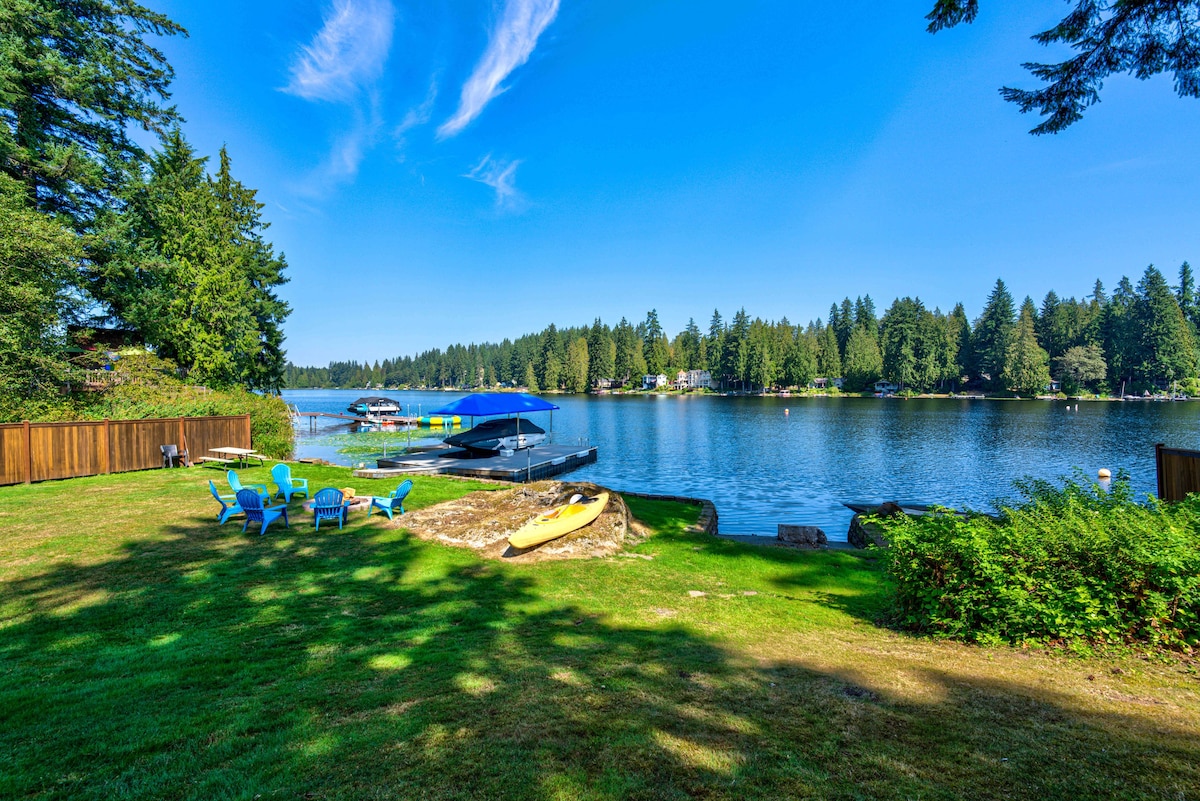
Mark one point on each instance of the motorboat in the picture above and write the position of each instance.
(508, 434)
(374, 406)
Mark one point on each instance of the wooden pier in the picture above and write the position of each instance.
(374, 421)
(530, 464)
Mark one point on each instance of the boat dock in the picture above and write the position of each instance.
(530, 464)
(379, 420)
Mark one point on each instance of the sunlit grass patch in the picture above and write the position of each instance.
(158, 655)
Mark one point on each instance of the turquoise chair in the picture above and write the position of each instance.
(252, 504)
(392, 501)
(286, 484)
(235, 484)
(328, 504)
(229, 504)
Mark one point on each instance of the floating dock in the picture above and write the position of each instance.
(530, 464)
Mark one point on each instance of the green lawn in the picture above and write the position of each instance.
(147, 653)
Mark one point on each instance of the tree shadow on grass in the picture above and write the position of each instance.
(364, 663)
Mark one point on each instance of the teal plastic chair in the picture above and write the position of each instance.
(287, 485)
(235, 484)
(392, 501)
(252, 504)
(328, 504)
(229, 504)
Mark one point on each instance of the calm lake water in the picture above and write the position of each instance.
(762, 467)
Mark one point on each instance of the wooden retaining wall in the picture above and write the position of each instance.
(1178, 472)
(43, 451)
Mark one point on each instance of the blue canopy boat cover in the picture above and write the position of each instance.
(486, 404)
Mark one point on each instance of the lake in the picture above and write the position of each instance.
(765, 461)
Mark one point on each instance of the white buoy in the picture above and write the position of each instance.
(786, 412)
(1104, 473)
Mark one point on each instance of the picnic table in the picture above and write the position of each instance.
(230, 454)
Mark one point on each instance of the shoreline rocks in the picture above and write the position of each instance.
(802, 536)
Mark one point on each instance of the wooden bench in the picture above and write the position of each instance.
(214, 459)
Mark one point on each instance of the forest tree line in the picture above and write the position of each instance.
(1136, 338)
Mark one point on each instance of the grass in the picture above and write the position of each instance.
(147, 653)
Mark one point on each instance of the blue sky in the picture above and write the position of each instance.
(469, 171)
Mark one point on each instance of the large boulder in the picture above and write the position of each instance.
(802, 536)
(863, 534)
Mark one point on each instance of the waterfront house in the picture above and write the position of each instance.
(886, 388)
(654, 381)
(822, 382)
(693, 379)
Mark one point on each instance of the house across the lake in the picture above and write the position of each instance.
(886, 388)
(693, 379)
(821, 382)
(654, 381)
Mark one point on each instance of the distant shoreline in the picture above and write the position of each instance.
(795, 395)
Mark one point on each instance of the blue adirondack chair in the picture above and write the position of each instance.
(328, 504)
(252, 504)
(286, 484)
(229, 504)
(235, 484)
(392, 501)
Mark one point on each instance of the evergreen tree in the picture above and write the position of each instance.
(901, 342)
(1165, 346)
(577, 366)
(37, 257)
(864, 362)
(733, 356)
(655, 345)
(1048, 324)
(845, 325)
(991, 335)
(829, 362)
(600, 355)
(864, 316)
(1026, 366)
(531, 382)
(186, 265)
(799, 362)
(75, 79)
(1185, 293)
(624, 367)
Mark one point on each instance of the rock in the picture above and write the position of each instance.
(862, 534)
(803, 536)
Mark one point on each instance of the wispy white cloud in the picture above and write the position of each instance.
(346, 154)
(510, 46)
(417, 115)
(501, 176)
(347, 53)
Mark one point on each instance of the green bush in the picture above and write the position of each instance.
(144, 386)
(1070, 563)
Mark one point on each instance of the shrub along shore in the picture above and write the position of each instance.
(148, 652)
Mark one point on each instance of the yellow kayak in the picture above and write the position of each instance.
(558, 521)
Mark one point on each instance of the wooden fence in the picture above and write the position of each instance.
(1178, 472)
(42, 451)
